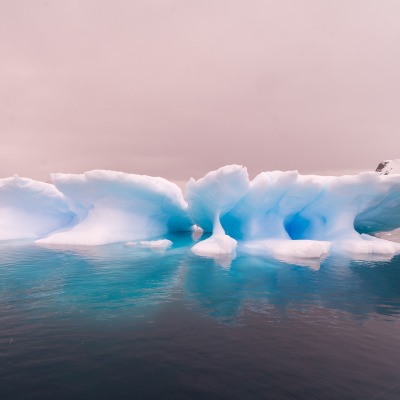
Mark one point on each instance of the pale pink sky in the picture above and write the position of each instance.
(177, 88)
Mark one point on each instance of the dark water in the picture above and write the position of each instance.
(112, 322)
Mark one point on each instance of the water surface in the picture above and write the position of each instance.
(113, 322)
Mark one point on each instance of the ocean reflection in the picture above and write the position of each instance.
(123, 322)
(101, 282)
(114, 281)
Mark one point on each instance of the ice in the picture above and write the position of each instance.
(278, 214)
(210, 198)
(307, 253)
(197, 232)
(272, 198)
(368, 246)
(288, 249)
(215, 245)
(118, 207)
(30, 209)
(161, 244)
(287, 215)
(348, 205)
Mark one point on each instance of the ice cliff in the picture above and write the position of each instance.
(280, 214)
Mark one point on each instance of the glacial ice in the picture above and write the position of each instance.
(161, 244)
(284, 215)
(118, 207)
(30, 209)
(288, 215)
(216, 245)
(212, 197)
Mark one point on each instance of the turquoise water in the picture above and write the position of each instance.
(112, 322)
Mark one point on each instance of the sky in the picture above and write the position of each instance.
(176, 88)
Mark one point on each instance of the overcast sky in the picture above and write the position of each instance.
(179, 87)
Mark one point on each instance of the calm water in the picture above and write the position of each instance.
(112, 322)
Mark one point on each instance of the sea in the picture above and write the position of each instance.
(118, 322)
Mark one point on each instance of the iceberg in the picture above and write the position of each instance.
(118, 207)
(30, 209)
(285, 215)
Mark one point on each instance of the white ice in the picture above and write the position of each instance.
(117, 207)
(217, 244)
(211, 198)
(162, 244)
(279, 214)
(288, 215)
(31, 209)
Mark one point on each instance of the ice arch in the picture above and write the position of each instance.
(302, 215)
